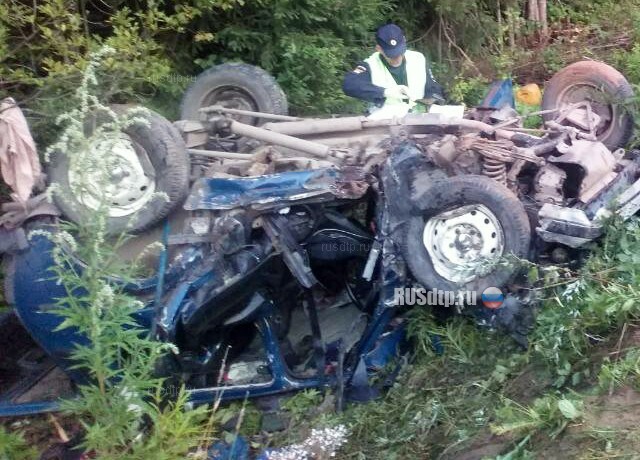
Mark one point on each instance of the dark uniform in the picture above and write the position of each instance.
(391, 79)
(357, 83)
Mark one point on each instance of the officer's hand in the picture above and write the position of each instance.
(438, 98)
(397, 92)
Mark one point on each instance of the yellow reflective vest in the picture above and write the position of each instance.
(416, 66)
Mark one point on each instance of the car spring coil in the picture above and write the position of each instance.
(495, 169)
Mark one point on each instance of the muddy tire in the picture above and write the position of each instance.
(238, 86)
(464, 219)
(607, 90)
(153, 159)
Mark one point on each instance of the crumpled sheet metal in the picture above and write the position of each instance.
(21, 169)
(276, 189)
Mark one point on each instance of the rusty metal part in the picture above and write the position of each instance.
(250, 166)
(312, 148)
(310, 127)
(500, 150)
(548, 146)
(595, 159)
(495, 155)
(322, 138)
(299, 163)
(484, 127)
(575, 133)
(194, 133)
(444, 151)
(517, 119)
(548, 184)
(240, 168)
(469, 162)
(514, 171)
(495, 169)
(430, 119)
(347, 140)
(218, 154)
(348, 124)
(580, 114)
(266, 116)
(345, 129)
(527, 155)
(353, 183)
(530, 130)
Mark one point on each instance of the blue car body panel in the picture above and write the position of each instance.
(36, 289)
(274, 188)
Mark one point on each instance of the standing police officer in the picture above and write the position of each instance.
(392, 75)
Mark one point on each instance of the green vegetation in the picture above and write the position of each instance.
(162, 45)
(550, 413)
(14, 447)
(121, 408)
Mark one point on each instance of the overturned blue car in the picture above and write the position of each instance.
(293, 247)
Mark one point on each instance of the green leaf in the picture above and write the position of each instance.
(628, 304)
(568, 409)
(576, 378)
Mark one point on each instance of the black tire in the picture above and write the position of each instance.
(607, 89)
(240, 86)
(452, 193)
(168, 167)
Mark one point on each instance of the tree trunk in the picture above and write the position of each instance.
(501, 33)
(542, 16)
(533, 10)
(537, 12)
(512, 29)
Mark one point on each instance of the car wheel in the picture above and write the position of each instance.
(460, 227)
(152, 158)
(605, 88)
(237, 86)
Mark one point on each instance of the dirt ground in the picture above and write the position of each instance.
(610, 427)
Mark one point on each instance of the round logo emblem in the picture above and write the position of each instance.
(492, 297)
(393, 42)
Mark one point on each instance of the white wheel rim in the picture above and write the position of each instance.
(458, 241)
(129, 187)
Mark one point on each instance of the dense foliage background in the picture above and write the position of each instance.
(306, 44)
(163, 45)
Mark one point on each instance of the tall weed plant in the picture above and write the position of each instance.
(121, 406)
